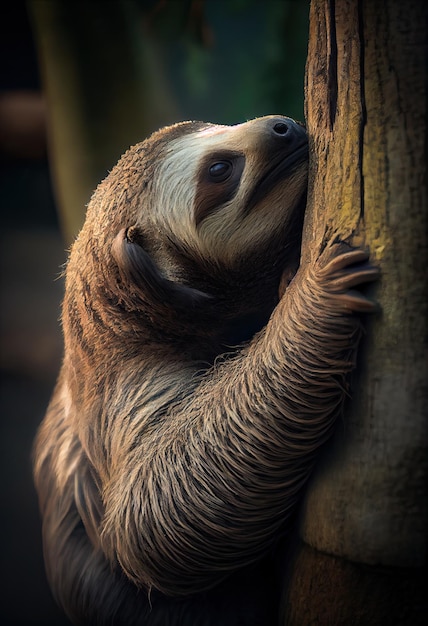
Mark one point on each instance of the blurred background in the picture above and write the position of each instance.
(79, 83)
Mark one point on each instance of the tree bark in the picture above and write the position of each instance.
(364, 520)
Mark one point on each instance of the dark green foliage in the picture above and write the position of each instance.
(227, 61)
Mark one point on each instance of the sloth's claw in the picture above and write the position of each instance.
(348, 269)
(344, 259)
(355, 301)
(351, 277)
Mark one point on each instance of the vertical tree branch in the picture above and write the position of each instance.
(367, 504)
(334, 118)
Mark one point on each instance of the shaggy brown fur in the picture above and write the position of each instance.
(161, 468)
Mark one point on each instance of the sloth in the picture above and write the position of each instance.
(203, 373)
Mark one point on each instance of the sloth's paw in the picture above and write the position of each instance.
(341, 269)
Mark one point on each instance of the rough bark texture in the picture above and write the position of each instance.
(367, 115)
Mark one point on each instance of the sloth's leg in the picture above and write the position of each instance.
(91, 591)
(83, 582)
(220, 476)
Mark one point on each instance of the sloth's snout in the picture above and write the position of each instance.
(286, 130)
(281, 128)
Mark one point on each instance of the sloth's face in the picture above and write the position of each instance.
(225, 190)
(201, 219)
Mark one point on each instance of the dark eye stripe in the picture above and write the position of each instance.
(217, 183)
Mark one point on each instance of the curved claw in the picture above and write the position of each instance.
(355, 276)
(347, 268)
(357, 303)
(345, 259)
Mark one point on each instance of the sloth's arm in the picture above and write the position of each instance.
(209, 491)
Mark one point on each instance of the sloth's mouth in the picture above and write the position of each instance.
(281, 167)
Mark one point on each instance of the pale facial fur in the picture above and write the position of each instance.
(225, 234)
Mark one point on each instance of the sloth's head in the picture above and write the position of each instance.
(200, 213)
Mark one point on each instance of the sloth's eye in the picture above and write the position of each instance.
(218, 181)
(220, 171)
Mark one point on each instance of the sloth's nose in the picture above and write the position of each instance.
(280, 128)
(286, 129)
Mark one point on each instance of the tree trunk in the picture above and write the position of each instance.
(364, 520)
